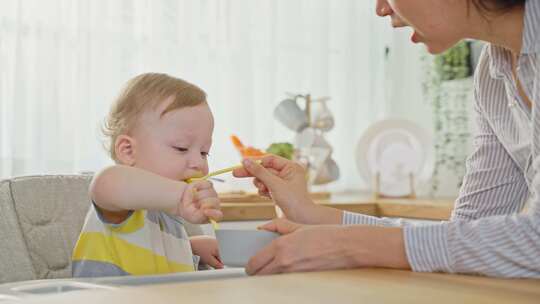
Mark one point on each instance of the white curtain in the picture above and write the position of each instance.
(62, 62)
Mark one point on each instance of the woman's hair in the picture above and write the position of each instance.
(497, 6)
(143, 92)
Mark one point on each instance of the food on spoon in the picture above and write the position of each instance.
(246, 151)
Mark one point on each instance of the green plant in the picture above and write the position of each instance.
(454, 63)
(447, 86)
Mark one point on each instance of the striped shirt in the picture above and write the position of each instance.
(147, 242)
(489, 232)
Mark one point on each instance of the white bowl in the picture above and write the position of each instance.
(236, 246)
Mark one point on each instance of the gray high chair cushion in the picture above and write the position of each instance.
(41, 218)
(15, 264)
(45, 216)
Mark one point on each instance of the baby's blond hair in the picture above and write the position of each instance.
(143, 92)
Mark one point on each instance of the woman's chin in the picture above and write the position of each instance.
(435, 48)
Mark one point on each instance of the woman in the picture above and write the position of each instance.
(489, 232)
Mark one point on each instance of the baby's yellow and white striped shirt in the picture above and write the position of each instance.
(147, 242)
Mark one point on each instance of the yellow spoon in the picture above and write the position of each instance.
(218, 172)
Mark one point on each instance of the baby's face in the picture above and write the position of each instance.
(175, 145)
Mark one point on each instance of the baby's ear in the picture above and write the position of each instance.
(124, 148)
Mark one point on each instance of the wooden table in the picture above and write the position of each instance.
(429, 209)
(336, 287)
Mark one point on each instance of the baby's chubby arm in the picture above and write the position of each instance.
(118, 189)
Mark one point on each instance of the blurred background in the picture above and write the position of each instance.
(62, 63)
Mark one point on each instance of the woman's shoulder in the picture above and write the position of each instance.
(489, 87)
(490, 64)
(482, 69)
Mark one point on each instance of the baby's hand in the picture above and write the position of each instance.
(207, 248)
(199, 203)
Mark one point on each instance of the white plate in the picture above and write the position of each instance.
(395, 148)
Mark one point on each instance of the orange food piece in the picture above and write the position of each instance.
(246, 152)
(236, 142)
(251, 152)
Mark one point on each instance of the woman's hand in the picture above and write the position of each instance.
(207, 248)
(300, 248)
(315, 248)
(284, 181)
(275, 173)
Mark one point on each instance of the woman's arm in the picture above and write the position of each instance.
(499, 246)
(324, 247)
(503, 246)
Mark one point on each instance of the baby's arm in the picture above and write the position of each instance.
(118, 189)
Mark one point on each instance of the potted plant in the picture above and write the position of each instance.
(448, 87)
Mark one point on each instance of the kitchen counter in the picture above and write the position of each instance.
(429, 209)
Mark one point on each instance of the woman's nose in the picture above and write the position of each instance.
(383, 8)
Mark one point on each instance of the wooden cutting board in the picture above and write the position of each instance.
(248, 197)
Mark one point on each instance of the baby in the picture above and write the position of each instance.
(160, 130)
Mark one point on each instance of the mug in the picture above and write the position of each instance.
(311, 138)
(322, 117)
(328, 172)
(291, 115)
